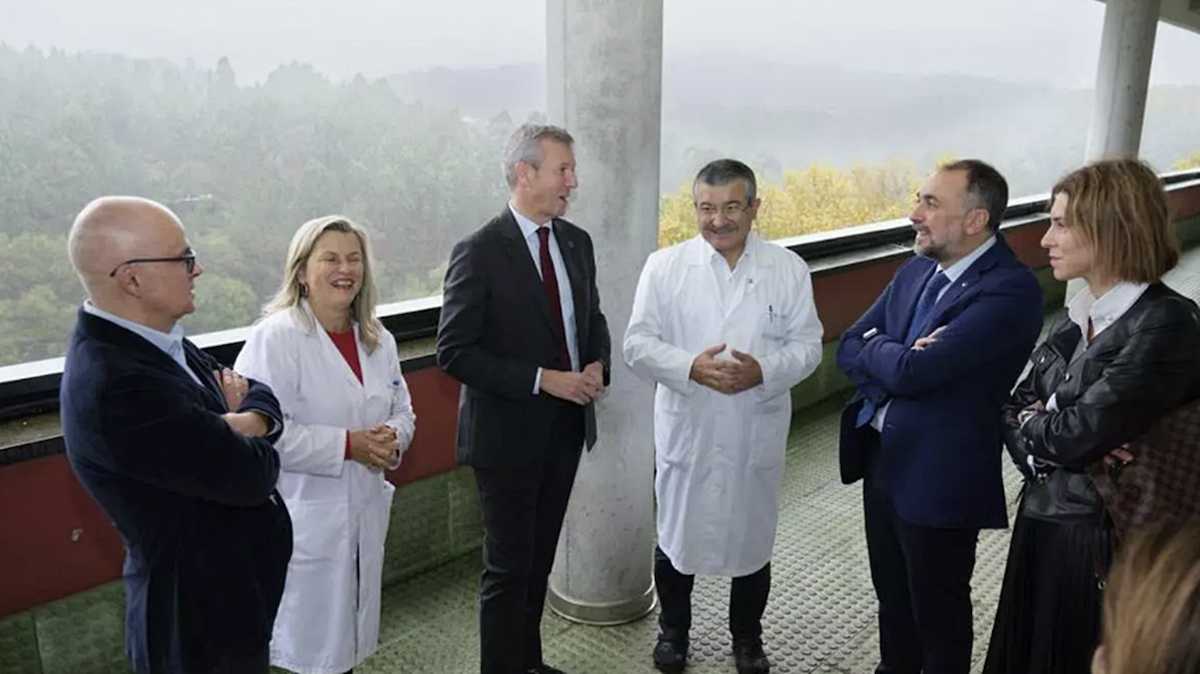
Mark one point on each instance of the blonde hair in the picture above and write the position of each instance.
(291, 291)
(1152, 604)
(1120, 208)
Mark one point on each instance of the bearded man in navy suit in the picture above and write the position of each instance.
(933, 359)
(177, 450)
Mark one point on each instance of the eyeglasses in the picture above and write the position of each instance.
(732, 210)
(188, 259)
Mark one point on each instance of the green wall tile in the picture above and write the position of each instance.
(419, 532)
(466, 523)
(84, 633)
(18, 645)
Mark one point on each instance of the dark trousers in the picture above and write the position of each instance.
(523, 508)
(747, 600)
(258, 663)
(922, 578)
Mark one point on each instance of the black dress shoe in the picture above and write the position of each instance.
(670, 655)
(544, 669)
(749, 657)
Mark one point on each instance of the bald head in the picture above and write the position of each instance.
(111, 230)
(134, 260)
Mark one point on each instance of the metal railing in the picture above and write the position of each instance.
(31, 388)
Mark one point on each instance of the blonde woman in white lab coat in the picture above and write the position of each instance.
(347, 419)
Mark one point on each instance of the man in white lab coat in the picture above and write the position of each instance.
(725, 326)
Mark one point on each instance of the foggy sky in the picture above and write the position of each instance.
(1049, 41)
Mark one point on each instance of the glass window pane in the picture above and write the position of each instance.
(843, 108)
(248, 119)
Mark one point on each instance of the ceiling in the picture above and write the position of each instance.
(1182, 13)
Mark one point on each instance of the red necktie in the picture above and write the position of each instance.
(550, 285)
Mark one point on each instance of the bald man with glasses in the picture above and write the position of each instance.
(188, 259)
(175, 449)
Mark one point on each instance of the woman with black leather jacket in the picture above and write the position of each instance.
(1126, 353)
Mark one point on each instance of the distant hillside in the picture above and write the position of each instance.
(781, 116)
(477, 92)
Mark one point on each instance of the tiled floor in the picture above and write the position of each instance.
(820, 618)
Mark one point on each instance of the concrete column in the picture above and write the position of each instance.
(604, 70)
(1122, 78)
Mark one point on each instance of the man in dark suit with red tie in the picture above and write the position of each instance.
(933, 359)
(521, 328)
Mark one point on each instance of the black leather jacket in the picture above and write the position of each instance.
(1139, 368)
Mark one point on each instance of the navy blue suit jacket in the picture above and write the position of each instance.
(207, 539)
(939, 455)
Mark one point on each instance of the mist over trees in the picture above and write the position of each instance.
(415, 157)
(242, 166)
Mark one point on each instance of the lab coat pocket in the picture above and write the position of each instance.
(320, 531)
(377, 518)
(774, 322)
(771, 421)
(674, 434)
(319, 573)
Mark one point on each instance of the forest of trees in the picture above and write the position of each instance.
(243, 166)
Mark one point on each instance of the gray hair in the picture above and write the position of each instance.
(525, 146)
(724, 171)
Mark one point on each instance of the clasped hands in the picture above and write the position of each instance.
(580, 388)
(374, 447)
(724, 375)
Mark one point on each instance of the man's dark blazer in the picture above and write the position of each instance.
(495, 331)
(939, 455)
(207, 539)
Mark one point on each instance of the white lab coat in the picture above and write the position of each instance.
(719, 458)
(328, 619)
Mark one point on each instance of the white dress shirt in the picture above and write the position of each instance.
(565, 298)
(1101, 311)
(731, 282)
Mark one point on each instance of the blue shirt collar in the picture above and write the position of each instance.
(958, 268)
(171, 343)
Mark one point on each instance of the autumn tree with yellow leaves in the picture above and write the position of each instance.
(816, 199)
(1190, 162)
